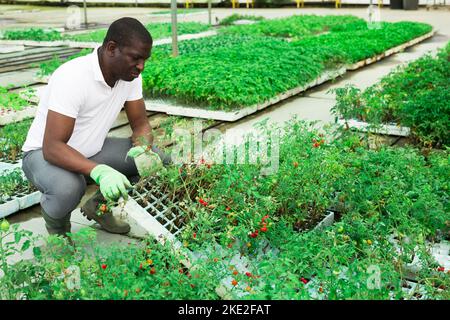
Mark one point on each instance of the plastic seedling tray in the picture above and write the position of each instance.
(10, 116)
(184, 110)
(386, 129)
(168, 213)
(18, 202)
(18, 160)
(326, 222)
(6, 166)
(391, 51)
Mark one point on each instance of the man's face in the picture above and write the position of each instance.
(130, 60)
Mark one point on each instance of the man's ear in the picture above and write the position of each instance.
(111, 47)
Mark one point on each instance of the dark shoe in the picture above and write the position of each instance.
(166, 158)
(59, 227)
(91, 210)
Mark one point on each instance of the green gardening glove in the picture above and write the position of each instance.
(147, 161)
(112, 183)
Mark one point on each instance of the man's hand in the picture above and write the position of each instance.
(147, 161)
(112, 183)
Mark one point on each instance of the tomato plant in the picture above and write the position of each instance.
(414, 96)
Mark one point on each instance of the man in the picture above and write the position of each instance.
(67, 141)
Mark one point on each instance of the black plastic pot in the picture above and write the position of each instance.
(396, 4)
(410, 4)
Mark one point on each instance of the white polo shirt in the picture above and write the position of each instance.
(78, 90)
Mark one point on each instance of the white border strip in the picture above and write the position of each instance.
(387, 129)
(167, 14)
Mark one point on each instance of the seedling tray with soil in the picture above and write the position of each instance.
(17, 193)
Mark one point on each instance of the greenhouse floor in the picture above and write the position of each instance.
(315, 104)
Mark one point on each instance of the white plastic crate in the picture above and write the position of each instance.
(19, 202)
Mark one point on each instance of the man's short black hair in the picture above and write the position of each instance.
(126, 30)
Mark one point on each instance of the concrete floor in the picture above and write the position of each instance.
(315, 104)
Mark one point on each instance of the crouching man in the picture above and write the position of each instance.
(67, 142)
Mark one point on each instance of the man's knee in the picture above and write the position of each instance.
(64, 196)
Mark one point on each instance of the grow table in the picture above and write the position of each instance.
(169, 106)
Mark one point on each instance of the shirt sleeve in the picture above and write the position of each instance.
(65, 95)
(136, 89)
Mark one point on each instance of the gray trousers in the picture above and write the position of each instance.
(62, 190)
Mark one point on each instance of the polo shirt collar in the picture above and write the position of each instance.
(98, 75)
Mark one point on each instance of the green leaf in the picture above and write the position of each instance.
(26, 245)
(17, 237)
(37, 251)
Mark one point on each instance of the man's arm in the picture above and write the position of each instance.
(137, 116)
(58, 131)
